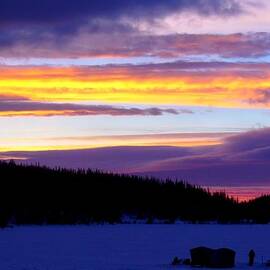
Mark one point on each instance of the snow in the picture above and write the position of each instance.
(124, 247)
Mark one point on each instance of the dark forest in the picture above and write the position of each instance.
(40, 195)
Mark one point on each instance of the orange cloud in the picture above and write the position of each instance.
(209, 84)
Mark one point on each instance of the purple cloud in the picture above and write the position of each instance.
(50, 23)
(22, 43)
(242, 160)
(74, 28)
(16, 107)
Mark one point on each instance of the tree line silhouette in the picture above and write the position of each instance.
(31, 194)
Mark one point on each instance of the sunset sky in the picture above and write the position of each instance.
(193, 75)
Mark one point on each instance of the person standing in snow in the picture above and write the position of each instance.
(251, 256)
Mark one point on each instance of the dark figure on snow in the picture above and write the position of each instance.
(251, 256)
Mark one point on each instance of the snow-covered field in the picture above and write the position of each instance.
(123, 247)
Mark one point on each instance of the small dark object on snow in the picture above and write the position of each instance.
(176, 261)
(215, 258)
(251, 256)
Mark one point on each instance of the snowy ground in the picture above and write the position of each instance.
(123, 247)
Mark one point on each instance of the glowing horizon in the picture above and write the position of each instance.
(91, 142)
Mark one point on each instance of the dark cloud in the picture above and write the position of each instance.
(15, 107)
(49, 23)
(31, 11)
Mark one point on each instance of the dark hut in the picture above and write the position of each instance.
(216, 258)
(223, 258)
(201, 256)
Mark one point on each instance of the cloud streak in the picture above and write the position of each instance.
(134, 45)
(216, 84)
(27, 108)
